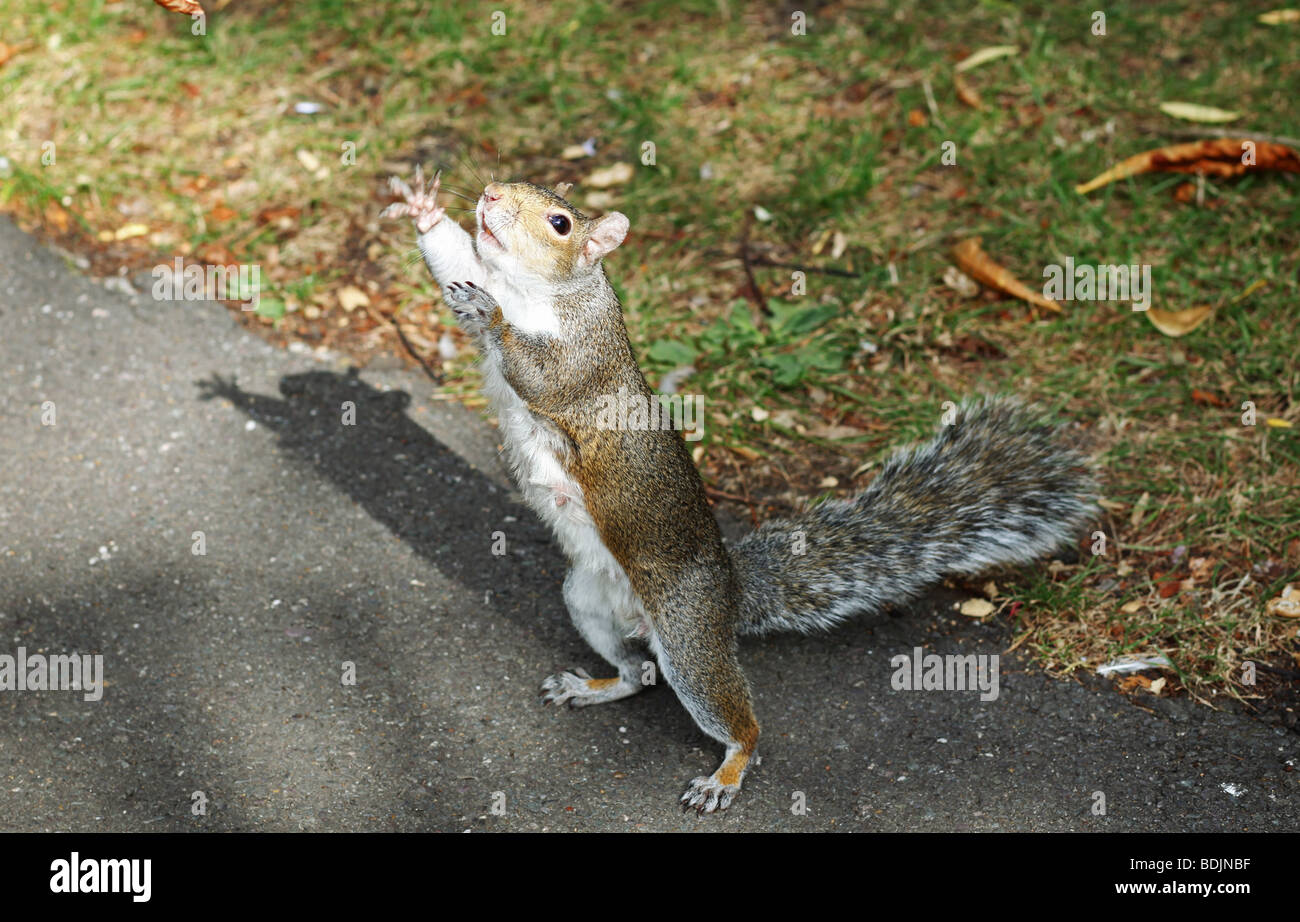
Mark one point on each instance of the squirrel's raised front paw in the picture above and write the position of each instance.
(472, 305)
(708, 794)
(418, 203)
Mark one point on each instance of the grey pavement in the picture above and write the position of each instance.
(370, 544)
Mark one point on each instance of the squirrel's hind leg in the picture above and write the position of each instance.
(601, 611)
(705, 674)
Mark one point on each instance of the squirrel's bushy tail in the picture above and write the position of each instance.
(997, 487)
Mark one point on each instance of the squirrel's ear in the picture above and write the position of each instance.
(606, 235)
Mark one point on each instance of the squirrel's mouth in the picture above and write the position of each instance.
(486, 233)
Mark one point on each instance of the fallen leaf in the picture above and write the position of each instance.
(222, 213)
(1129, 683)
(915, 118)
(966, 93)
(972, 260)
(1178, 323)
(1131, 608)
(1156, 685)
(614, 175)
(1287, 605)
(1214, 157)
(310, 162)
(1139, 510)
(8, 51)
(834, 432)
(1278, 423)
(984, 55)
(351, 297)
(1208, 399)
(1191, 112)
(977, 608)
(281, 215)
(57, 216)
(1278, 17)
(960, 282)
(188, 7)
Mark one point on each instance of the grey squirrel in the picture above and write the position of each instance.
(648, 566)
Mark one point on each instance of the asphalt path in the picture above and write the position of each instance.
(135, 432)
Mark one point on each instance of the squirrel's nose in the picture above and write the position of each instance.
(493, 192)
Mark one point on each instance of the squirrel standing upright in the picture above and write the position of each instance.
(647, 562)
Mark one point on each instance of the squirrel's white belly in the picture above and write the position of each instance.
(533, 451)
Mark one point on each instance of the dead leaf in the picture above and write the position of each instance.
(977, 608)
(1178, 323)
(1192, 112)
(960, 282)
(1213, 157)
(1156, 685)
(1278, 17)
(1207, 399)
(966, 93)
(57, 216)
(188, 7)
(915, 118)
(1131, 608)
(1287, 605)
(8, 51)
(614, 175)
(282, 215)
(984, 55)
(972, 260)
(1139, 510)
(1129, 683)
(834, 432)
(1277, 423)
(351, 297)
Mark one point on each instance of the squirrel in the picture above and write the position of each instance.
(647, 562)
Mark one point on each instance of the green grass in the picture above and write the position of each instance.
(832, 136)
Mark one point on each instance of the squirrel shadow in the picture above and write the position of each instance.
(361, 440)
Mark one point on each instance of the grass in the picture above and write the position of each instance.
(819, 151)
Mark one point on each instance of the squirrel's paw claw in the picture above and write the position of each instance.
(577, 689)
(418, 203)
(565, 688)
(472, 305)
(707, 794)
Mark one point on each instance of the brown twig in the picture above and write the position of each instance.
(433, 375)
(759, 299)
(758, 260)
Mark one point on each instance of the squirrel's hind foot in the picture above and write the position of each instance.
(577, 689)
(709, 794)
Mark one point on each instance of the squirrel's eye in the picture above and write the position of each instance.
(560, 223)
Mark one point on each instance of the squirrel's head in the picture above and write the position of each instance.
(525, 230)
